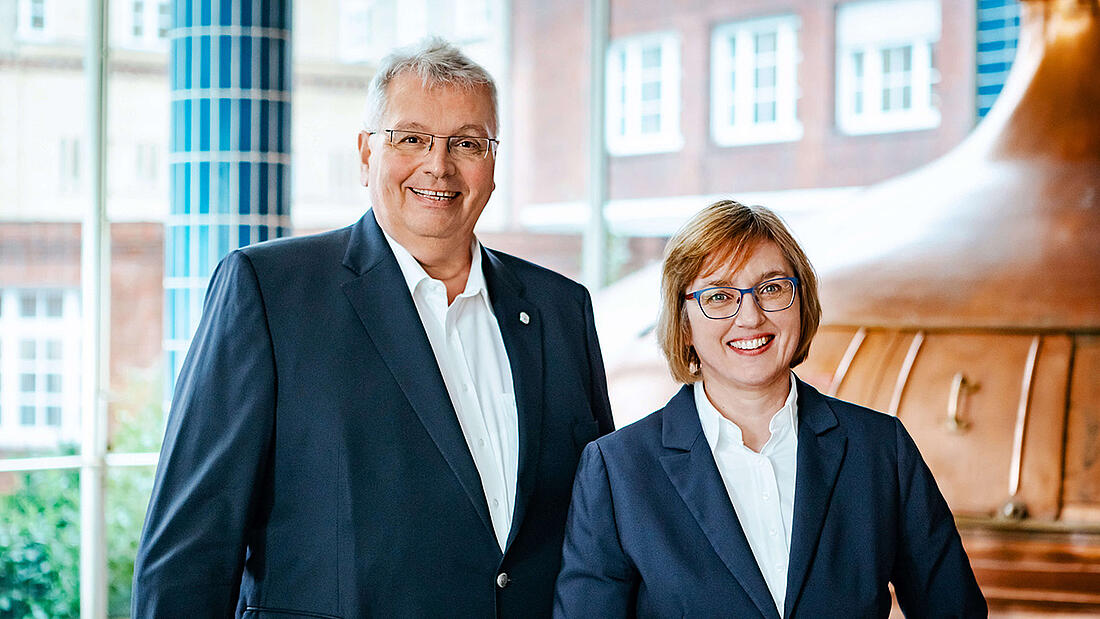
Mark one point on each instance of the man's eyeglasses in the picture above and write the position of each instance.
(418, 143)
(722, 302)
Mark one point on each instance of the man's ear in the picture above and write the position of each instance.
(364, 157)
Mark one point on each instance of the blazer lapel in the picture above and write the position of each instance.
(385, 307)
(521, 330)
(690, 466)
(821, 448)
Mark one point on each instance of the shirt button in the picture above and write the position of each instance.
(503, 580)
(779, 567)
(496, 503)
(772, 531)
(765, 496)
(480, 442)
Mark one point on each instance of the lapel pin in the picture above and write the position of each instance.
(524, 318)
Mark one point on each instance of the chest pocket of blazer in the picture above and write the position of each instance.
(584, 432)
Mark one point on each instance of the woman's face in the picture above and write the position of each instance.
(749, 354)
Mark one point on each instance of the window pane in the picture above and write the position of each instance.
(54, 304)
(38, 14)
(128, 491)
(765, 77)
(765, 112)
(164, 18)
(138, 19)
(53, 416)
(765, 42)
(28, 304)
(41, 214)
(40, 529)
(651, 58)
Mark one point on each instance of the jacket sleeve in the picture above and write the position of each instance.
(601, 405)
(597, 579)
(212, 463)
(932, 575)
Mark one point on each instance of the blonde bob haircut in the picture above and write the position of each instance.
(724, 234)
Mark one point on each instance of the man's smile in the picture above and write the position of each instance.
(430, 194)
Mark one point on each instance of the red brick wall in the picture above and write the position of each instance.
(34, 255)
(550, 80)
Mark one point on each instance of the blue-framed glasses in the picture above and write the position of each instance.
(720, 302)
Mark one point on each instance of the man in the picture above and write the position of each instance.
(382, 420)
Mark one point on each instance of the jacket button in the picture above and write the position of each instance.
(503, 580)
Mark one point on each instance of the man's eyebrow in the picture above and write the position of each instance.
(410, 126)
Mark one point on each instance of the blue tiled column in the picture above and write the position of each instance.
(229, 68)
(998, 31)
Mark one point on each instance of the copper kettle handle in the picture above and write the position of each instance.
(959, 385)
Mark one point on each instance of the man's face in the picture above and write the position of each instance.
(434, 196)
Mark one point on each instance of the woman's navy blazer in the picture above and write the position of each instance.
(652, 533)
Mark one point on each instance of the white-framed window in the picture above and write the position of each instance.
(885, 69)
(39, 367)
(369, 29)
(363, 34)
(643, 94)
(35, 19)
(146, 24)
(754, 81)
(473, 19)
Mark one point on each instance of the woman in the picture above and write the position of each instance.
(750, 493)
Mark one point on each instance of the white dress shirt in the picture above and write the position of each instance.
(760, 485)
(465, 338)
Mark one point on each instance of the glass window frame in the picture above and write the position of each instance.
(734, 54)
(25, 30)
(625, 106)
(865, 90)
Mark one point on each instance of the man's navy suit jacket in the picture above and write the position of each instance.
(313, 464)
(652, 532)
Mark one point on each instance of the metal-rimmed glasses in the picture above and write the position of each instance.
(721, 302)
(420, 143)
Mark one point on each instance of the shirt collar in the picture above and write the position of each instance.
(415, 274)
(712, 420)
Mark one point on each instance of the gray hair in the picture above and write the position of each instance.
(436, 62)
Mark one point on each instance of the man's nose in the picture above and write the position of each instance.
(438, 160)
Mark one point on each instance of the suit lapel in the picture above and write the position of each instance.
(690, 466)
(521, 330)
(385, 308)
(821, 448)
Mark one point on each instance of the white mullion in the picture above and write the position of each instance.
(872, 71)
